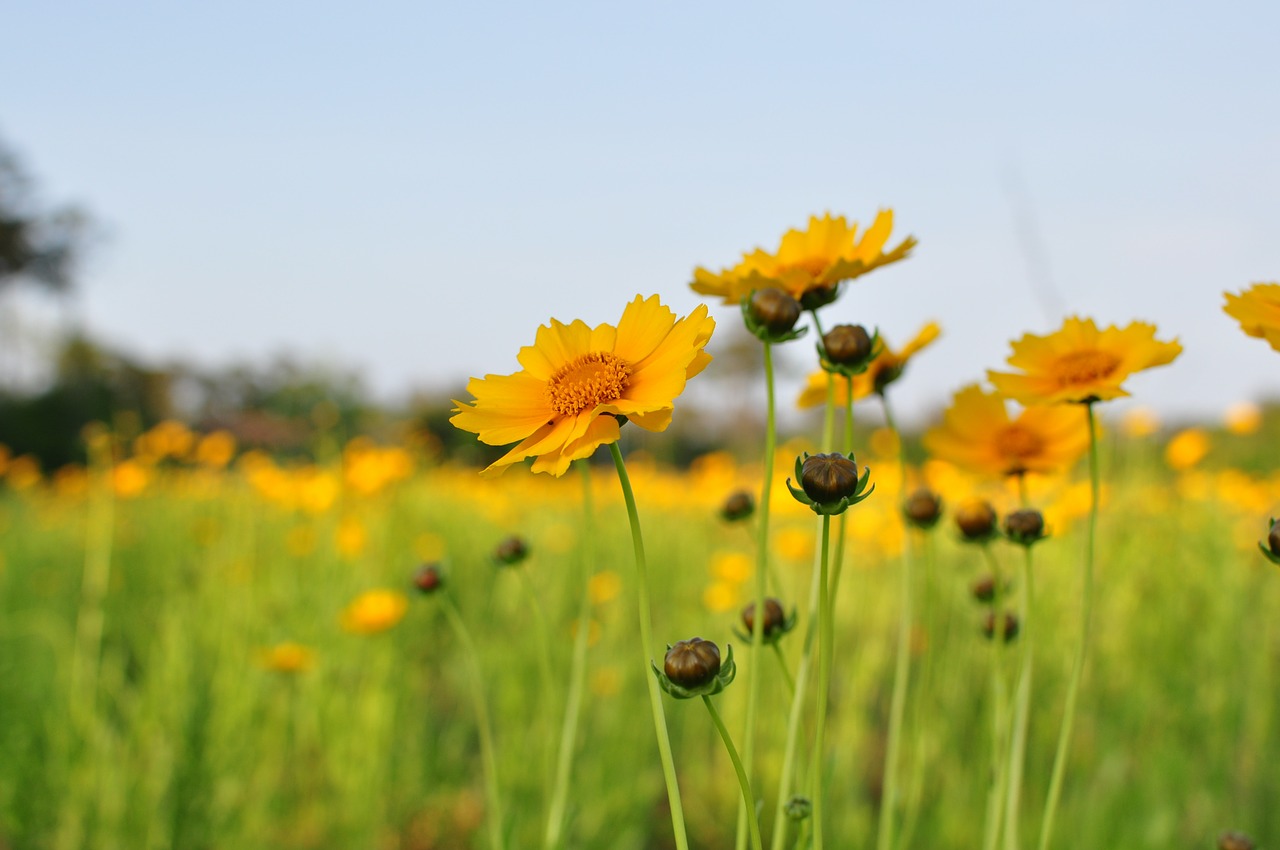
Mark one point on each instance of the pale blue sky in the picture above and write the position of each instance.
(413, 188)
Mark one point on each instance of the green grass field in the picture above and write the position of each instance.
(139, 707)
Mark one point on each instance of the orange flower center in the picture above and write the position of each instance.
(1018, 443)
(590, 380)
(1080, 368)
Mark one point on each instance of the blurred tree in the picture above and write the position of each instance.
(35, 245)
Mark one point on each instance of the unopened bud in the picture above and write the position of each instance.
(1273, 539)
(429, 578)
(692, 663)
(1024, 527)
(847, 345)
(820, 296)
(829, 478)
(976, 520)
(775, 309)
(511, 551)
(984, 589)
(798, 808)
(923, 508)
(1010, 626)
(774, 618)
(738, 506)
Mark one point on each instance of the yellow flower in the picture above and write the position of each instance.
(286, 657)
(374, 611)
(1257, 309)
(1187, 448)
(1140, 422)
(886, 368)
(604, 586)
(820, 257)
(732, 567)
(576, 380)
(1243, 418)
(978, 434)
(1079, 363)
(215, 450)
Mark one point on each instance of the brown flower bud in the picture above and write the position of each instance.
(829, 478)
(429, 578)
(1234, 841)
(976, 519)
(774, 617)
(984, 589)
(692, 663)
(775, 309)
(847, 345)
(511, 551)
(1273, 539)
(738, 506)
(819, 296)
(922, 508)
(1010, 626)
(1024, 527)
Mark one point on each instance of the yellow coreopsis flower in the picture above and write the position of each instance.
(886, 368)
(978, 434)
(1079, 363)
(374, 611)
(577, 380)
(287, 657)
(1257, 309)
(819, 257)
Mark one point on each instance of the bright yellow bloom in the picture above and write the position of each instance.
(819, 257)
(978, 434)
(1187, 448)
(215, 450)
(1257, 309)
(286, 657)
(604, 586)
(886, 368)
(374, 611)
(1079, 363)
(129, 478)
(1243, 418)
(576, 380)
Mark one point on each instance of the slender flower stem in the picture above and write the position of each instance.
(782, 665)
(902, 666)
(1077, 669)
(577, 674)
(94, 582)
(546, 672)
(787, 775)
(1021, 711)
(825, 647)
(488, 756)
(838, 567)
(920, 711)
(747, 796)
(746, 812)
(646, 641)
(999, 722)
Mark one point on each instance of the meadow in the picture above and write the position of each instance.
(190, 655)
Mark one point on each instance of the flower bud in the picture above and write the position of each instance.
(976, 520)
(511, 551)
(1024, 527)
(775, 309)
(984, 589)
(429, 578)
(798, 808)
(820, 296)
(1273, 539)
(1235, 841)
(774, 618)
(1010, 626)
(692, 663)
(923, 508)
(847, 345)
(738, 506)
(829, 477)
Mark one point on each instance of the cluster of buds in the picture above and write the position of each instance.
(829, 483)
(511, 551)
(776, 621)
(1272, 549)
(922, 509)
(848, 350)
(738, 506)
(771, 315)
(692, 668)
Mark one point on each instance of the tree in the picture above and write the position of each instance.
(39, 246)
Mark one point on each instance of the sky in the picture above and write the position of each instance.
(411, 188)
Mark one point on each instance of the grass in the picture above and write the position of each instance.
(184, 740)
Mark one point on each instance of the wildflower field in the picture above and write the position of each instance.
(1023, 626)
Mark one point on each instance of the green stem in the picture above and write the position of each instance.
(577, 674)
(1077, 669)
(545, 669)
(1021, 711)
(94, 583)
(838, 568)
(646, 641)
(995, 795)
(921, 711)
(748, 798)
(782, 665)
(826, 645)
(488, 755)
(902, 665)
(746, 811)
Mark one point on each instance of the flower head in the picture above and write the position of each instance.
(374, 611)
(829, 483)
(1257, 309)
(1079, 363)
(886, 367)
(692, 668)
(978, 434)
(810, 263)
(578, 380)
(287, 657)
